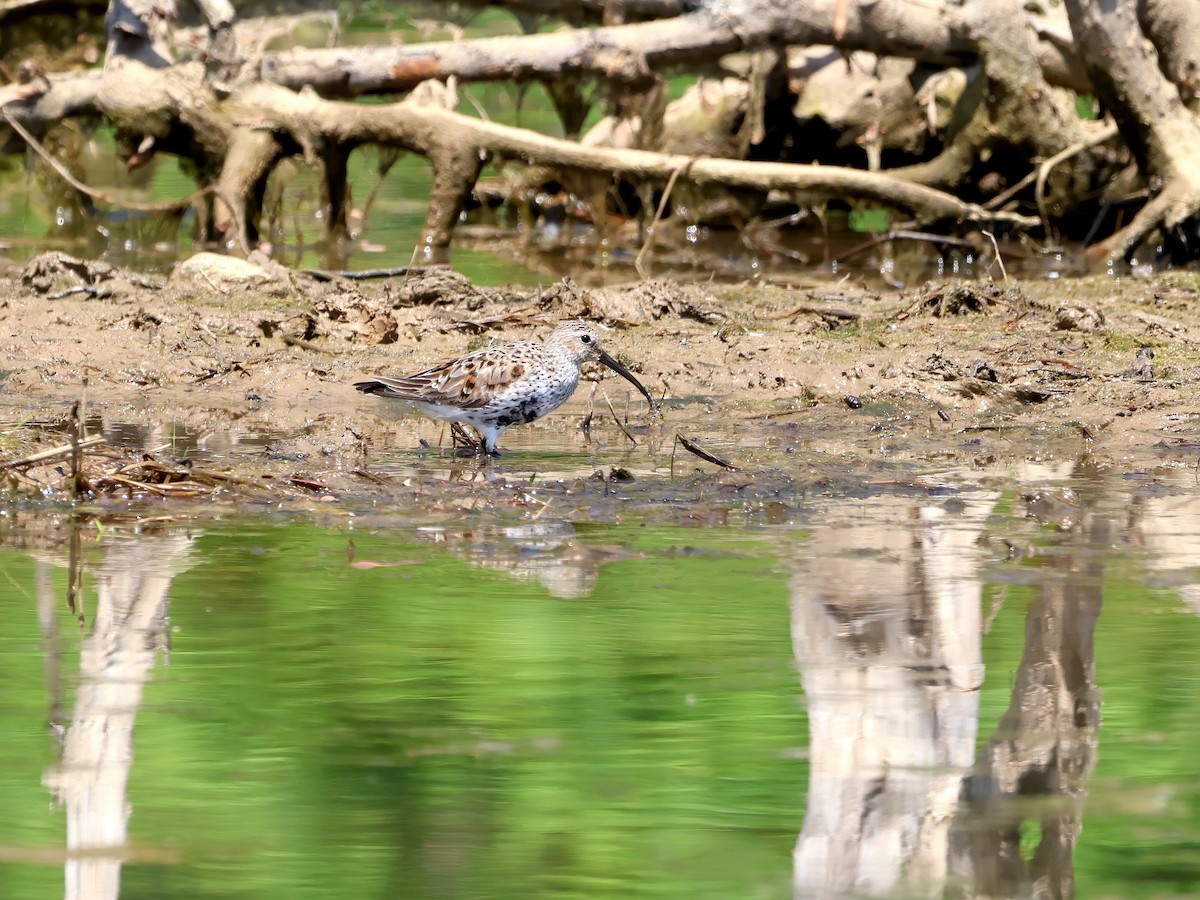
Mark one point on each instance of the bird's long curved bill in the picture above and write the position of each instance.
(628, 376)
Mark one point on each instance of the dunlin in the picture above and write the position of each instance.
(509, 384)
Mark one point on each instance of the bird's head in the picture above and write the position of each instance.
(579, 341)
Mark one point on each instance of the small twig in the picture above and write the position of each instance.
(371, 476)
(1043, 171)
(459, 438)
(308, 345)
(624, 430)
(692, 447)
(479, 108)
(90, 289)
(904, 234)
(1006, 195)
(365, 274)
(51, 453)
(662, 204)
(1000, 259)
(832, 312)
(78, 410)
(586, 424)
(74, 182)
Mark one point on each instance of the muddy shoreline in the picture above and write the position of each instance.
(261, 360)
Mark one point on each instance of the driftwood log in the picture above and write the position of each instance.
(1012, 151)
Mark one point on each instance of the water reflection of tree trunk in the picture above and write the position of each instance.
(886, 629)
(129, 628)
(1045, 745)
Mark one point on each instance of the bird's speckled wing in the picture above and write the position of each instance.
(467, 382)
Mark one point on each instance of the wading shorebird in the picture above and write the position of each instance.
(510, 384)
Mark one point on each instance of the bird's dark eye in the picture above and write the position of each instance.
(586, 338)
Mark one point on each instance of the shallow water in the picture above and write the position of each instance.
(965, 681)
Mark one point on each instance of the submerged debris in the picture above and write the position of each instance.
(90, 468)
(1061, 509)
(694, 448)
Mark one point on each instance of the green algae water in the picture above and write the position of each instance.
(955, 685)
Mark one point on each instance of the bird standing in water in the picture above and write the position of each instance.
(510, 384)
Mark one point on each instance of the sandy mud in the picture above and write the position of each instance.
(254, 364)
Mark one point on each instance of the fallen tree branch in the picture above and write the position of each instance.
(456, 144)
(592, 10)
(932, 33)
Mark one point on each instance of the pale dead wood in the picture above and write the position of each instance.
(52, 453)
(456, 144)
(1160, 130)
(932, 32)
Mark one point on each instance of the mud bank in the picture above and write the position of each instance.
(254, 364)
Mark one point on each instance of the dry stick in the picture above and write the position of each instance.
(92, 192)
(77, 436)
(1043, 171)
(693, 447)
(1036, 175)
(365, 274)
(618, 421)
(833, 312)
(308, 345)
(1000, 259)
(51, 453)
(1004, 196)
(586, 425)
(906, 235)
(662, 203)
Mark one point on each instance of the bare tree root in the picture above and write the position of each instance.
(1162, 133)
(65, 175)
(1042, 174)
(1174, 205)
(1007, 102)
(252, 156)
(971, 133)
(456, 146)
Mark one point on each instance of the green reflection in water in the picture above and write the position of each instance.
(439, 729)
(329, 731)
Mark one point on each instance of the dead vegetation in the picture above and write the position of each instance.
(87, 468)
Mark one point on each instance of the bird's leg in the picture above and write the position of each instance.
(462, 439)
